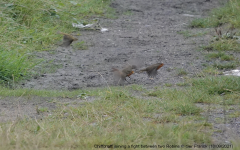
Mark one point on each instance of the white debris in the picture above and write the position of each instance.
(189, 15)
(95, 26)
(104, 29)
(80, 25)
(232, 72)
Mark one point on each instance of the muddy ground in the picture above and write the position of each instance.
(145, 30)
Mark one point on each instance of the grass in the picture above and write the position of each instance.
(222, 61)
(220, 55)
(188, 34)
(120, 119)
(39, 29)
(136, 87)
(199, 23)
(41, 110)
(181, 72)
(222, 66)
(228, 20)
(31, 25)
(219, 16)
(218, 85)
(209, 70)
(224, 19)
(14, 66)
(168, 85)
(183, 84)
(223, 45)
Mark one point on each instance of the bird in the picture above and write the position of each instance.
(152, 70)
(120, 75)
(67, 39)
(219, 32)
(128, 70)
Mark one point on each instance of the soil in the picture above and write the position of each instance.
(145, 30)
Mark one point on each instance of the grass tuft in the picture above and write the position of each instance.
(220, 55)
(181, 72)
(224, 45)
(14, 66)
(222, 66)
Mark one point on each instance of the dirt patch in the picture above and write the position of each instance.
(12, 108)
(145, 30)
(226, 129)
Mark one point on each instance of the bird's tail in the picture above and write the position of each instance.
(114, 69)
(68, 35)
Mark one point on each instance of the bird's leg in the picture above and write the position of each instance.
(127, 80)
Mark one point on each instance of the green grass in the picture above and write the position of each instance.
(183, 84)
(220, 55)
(198, 23)
(223, 45)
(168, 84)
(31, 25)
(218, 85)
(38, 30)
(41, 110)
(222, 66)
(119, 118)
(226, 16)
(188, 34)
(14, 66)
(136, 87)
(209, 70)
(181, 72)
(226, 62)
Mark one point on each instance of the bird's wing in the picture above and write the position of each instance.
(118, 76)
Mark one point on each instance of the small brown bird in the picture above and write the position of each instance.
(120, 75)
(152, 70)
(67, 39)
(219, 32)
